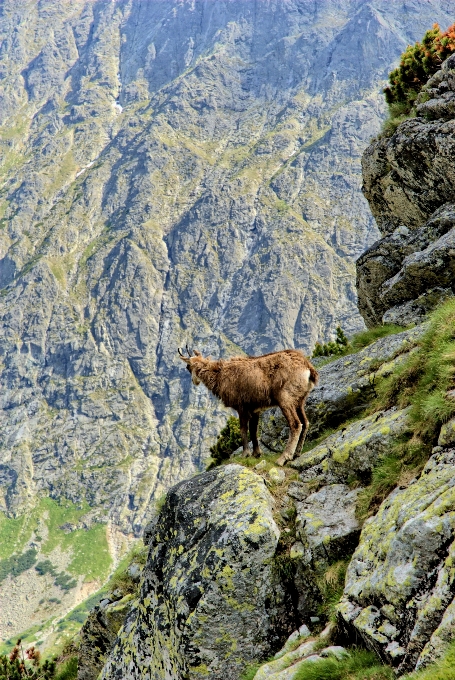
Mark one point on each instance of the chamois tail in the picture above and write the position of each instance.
(314, 375)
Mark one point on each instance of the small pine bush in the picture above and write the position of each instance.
(338, 346)
(26, 663)
(228, 441)
(418, 63)
(16, 564)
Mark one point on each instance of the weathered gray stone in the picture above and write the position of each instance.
(415, 311)
(447, 434)
(404, 564)
(209, 575)
(276, 475)
(99, 633)
(326, 523)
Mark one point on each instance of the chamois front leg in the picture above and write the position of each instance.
(295, 428)
(243, 417)
(254, 422)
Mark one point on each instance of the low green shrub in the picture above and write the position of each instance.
(16, 564)
(336, 347)
(26, 663)
(417, 64)
(228, 441)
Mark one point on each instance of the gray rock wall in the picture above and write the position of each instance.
(409, 184)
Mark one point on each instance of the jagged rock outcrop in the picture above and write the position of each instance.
(399, 594)
(99, 634)
(211, 600)
(409, 182)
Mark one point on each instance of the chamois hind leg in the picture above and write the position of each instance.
(295, 427)
(306, 424)
(254, 422)
(244, 417)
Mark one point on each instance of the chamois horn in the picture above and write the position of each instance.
(182, 356)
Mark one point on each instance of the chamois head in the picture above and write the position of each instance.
(192, 362)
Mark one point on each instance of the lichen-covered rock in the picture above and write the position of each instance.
(326, 523)
(353, 450)
(400, 583)
(211, 600)
(99, 633)
(447, 433)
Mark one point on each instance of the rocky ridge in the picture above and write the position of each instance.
(408, 181)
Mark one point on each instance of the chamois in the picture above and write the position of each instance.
(254, 384)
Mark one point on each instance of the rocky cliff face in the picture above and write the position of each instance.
(409, 184)
(171, 173)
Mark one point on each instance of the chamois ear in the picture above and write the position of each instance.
(196, 353)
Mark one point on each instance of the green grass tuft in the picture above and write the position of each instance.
(359, 665)
(423, 380)
(331, 585)
(68, 671)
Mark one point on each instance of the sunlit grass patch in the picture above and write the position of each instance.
(331, 585)
(424, 379)
(359, 665)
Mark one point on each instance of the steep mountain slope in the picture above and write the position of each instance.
(171, 172)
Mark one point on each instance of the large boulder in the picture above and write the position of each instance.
(327, 526)
(211, 598)
(409, 182)
(400, 584)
